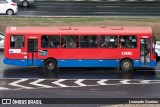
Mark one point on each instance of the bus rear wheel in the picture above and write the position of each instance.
(126, 65)
(50, 65)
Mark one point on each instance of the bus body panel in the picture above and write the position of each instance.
(75, 57)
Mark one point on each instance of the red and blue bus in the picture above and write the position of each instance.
(125, 47)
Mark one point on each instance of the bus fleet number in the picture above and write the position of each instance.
(126, 53)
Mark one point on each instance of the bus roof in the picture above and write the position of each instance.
(79, 30)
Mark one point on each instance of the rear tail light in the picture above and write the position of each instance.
(13, 4)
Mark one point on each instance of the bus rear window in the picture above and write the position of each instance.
(17, 41)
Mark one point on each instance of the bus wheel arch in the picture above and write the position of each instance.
(50, 64)
(126, 64)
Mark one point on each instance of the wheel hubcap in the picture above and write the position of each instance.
(50, 66)
(126, 65)
(25, 4)
(9, 12)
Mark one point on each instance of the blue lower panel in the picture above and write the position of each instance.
(24, 62)
(15, 62)
(152, 63)
(76, 63)
(88, 63)
(35, 62)
(137, 63)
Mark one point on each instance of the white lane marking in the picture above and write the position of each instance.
(102, 82)
(145, 81)
(16, 84)
(36, 83)
(125, 81)
(3, 88)
(149, 81)
(79, 82)
(60, 84)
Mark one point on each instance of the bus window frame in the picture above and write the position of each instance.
(128, 47)
(76, 41)
(109, 47)
(15, 47)
(50, 47)
(98, 45)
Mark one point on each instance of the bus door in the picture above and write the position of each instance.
(145, 51)
(32, 52)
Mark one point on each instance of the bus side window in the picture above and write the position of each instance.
(108, 41)
(63, 43)
(93, 42)
(44, 41)
(50, 41)
(54, 41)
(84, 41)
(70, 41)
(17, 41)
(89, 41)
(128, 41)
(12, 42)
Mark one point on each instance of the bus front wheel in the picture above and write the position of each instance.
(50, 65)
(126, 65)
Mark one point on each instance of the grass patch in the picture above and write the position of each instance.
(22, 20)
(64, 20)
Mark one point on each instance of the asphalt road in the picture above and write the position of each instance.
(20, 82)
(92, 8)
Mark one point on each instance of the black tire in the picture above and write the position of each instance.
(126, 65)
(25, 3)
(9, 12)
(50, 65)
